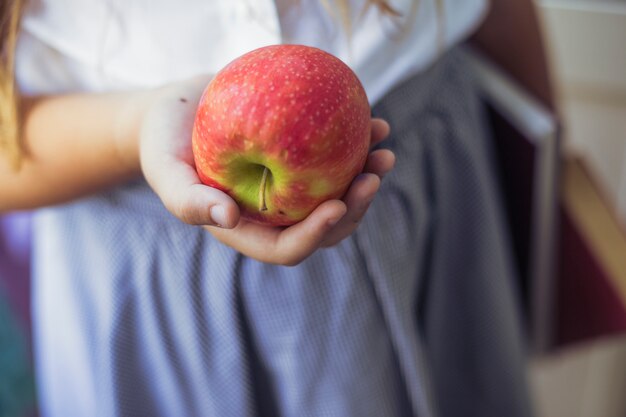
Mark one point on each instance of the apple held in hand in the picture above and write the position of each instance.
(282, 129)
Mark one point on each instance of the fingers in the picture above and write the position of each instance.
(363, 189)
(380, 130)
(288, 246)
(304, 238)
(380, 162)
(357, 200)
(192, 202)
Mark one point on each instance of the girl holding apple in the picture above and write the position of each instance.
(152, 297)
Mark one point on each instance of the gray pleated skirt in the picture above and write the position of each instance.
(137, 314)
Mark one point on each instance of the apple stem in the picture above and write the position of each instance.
(262, 205)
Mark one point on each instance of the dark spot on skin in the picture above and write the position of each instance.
(183, 100)
(281, 212)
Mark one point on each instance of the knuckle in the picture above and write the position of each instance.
(186, 212)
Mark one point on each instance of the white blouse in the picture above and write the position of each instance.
(101, 45)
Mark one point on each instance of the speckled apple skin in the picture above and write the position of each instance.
(297, 110)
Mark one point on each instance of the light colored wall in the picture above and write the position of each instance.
(583, 381)
(587, 44)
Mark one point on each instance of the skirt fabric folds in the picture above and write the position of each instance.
(137, 314)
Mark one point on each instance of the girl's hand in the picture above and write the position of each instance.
(167, 160)
(330, 223)
(167, 163)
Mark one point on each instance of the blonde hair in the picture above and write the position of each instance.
(342, 8)
(10, 145)
(10, 14)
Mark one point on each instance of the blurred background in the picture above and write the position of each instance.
(580, 369)
(586, 42)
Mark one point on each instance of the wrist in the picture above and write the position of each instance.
(129, 121)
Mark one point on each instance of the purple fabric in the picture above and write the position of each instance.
(15, 240)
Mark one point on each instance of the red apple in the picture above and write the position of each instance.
(282, 129)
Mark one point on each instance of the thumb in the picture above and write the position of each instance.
(198, 204)
(182, 193)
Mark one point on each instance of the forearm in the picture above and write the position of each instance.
(74, 145)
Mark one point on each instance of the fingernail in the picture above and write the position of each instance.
(218, 215)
